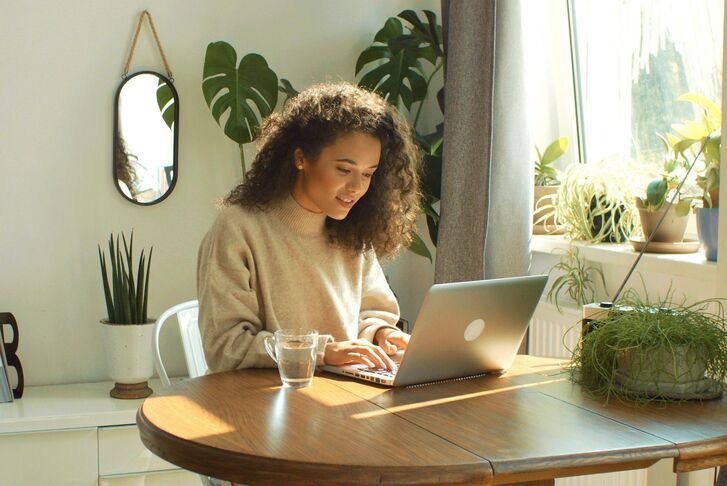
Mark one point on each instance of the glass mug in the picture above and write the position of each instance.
(294, 350)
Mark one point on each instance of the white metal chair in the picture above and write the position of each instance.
(186, 313)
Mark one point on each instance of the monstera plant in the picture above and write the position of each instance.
(393, 66)
(233, 88)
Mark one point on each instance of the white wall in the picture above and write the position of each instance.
(60, 64)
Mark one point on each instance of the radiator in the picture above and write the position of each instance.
(554, 333)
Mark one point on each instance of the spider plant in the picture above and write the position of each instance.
(596, 203)
(126, 295)
(578, 280)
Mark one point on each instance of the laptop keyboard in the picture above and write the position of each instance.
(381, 372)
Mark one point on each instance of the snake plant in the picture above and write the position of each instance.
(126, 295)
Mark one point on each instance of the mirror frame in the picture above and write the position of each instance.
(175, 165)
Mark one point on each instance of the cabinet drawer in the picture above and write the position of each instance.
(58, 458)
(120, 451)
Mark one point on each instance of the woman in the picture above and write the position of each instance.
(334, 185)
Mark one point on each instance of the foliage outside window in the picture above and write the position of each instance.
(633, 59)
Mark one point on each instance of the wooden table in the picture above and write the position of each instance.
(525, 427)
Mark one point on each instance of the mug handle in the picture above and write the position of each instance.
(270, 347)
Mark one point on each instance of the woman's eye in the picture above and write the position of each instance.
(368, 176)
(343, 171)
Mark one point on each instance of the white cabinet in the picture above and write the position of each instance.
(58, 458)
(76, 435)
(120, 451)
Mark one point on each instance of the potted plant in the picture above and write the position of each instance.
(546, 186)
(595, 203)
(659, 192)
(663, 350)
(577, 279)
(127, 329)
(702, 138)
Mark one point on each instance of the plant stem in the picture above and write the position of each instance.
(242, 161)
(419, 110)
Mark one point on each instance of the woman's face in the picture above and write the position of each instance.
(340, 177)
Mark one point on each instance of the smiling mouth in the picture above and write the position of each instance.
(345, 200)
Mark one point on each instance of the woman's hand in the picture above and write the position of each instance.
(357, 352)
(391, 340)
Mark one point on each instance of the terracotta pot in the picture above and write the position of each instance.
(544, 196)
(671, 230)
(130, 358)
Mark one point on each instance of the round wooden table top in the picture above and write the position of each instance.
(243, 426)
(528, 426)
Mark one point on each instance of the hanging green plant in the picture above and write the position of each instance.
(577, 278)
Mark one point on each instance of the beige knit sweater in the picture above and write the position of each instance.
(259, 271)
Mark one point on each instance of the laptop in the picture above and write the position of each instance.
(463, 329)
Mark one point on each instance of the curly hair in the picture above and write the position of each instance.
(384, 218)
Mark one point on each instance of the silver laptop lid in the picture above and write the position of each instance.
(466, 328)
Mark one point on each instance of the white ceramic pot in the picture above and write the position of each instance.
(129, 351)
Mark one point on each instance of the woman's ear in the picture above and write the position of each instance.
(298, 158)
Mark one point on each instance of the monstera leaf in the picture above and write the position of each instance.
(287, 89)
(426, 32)
(402, 62)
(240, 90)
(165, 100)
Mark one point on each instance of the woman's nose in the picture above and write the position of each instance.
(355, 183)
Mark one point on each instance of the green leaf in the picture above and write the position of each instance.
(165, 101)
(248, 93)
(287, 89)
(713, 111)
(554, 150)
(425, 32)
(682, 207)
(399, 78)
(418, 247)
(107, 291)
(656, 193)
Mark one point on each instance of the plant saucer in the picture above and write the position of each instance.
(704, 389)
(685, 246)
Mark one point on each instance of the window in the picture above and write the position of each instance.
(632, 59)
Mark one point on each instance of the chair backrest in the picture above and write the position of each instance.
(186, 314)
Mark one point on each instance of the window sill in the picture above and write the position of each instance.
(692, 265)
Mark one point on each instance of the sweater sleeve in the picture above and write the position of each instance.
(229, 313)
(379, 307)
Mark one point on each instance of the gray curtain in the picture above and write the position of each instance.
(487, 172)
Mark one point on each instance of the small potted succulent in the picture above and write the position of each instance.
(546, 186)
(660, 191)
(662, 350)
(127, 329)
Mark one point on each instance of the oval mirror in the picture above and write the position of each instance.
(146, 132)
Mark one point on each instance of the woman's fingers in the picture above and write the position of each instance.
(398, 339)
(378, 356)
(361, 359)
